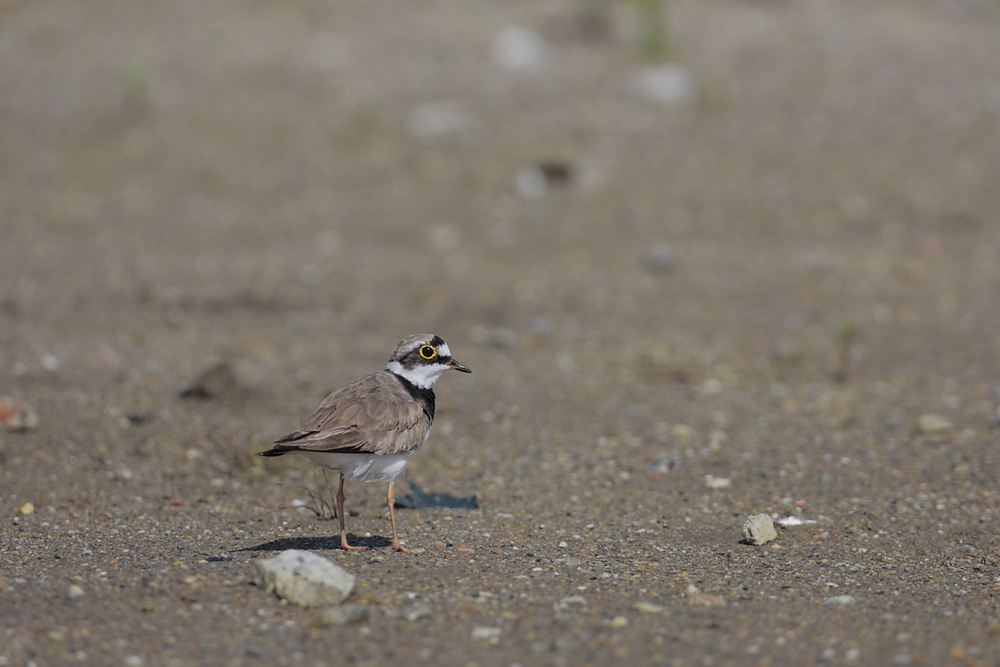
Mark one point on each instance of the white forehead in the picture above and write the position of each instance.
(411, 343)
(442, 349)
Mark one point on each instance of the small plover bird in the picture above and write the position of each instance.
(369, 429)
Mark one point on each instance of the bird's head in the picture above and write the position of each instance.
(422, 358)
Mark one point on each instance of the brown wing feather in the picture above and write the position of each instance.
(374, 414)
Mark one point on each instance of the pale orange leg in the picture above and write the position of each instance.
(390, 498)
(340, 514)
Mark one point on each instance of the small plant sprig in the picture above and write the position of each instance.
(656, 40)
(840, 355)
(323, 507)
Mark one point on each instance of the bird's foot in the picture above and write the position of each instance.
(396, 546)
(347, 547)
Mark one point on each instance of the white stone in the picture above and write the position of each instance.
(759, 529)
(839, 600)
(933, 424)
(304, 578)
(481, 632)
(713, 482)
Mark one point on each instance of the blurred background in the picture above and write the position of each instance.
(608, 208)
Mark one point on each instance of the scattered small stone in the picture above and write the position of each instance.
(714, 482)
(344, 615)
(649, 607)
(530, 181)
(27, 509)
(697, 598)
(74, 592)
(660, 258)
(487, 633)
(519, 49)
(534, 180)
(839, 601)
(618, 622)
(666, 85)
(716, 439)
(415, 612)
(662, 464)
(134, 661)
(683, 432)
(440, 119)
(759, 529)
(570, 601)
(790, 521)
(213, 382)
(932, 424)
(16, 416)
(139, 418)
(304, 578)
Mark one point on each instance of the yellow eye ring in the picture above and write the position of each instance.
(428, 351)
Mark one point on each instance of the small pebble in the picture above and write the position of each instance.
(416, 612)
(50, 362)
(27, 509)
(519, 49)
(649, 607)
(481, 632)
(933, 424)
(683, 432)
(441, 119)
(17, 416)
(714, 482)
(660, 258)
(351, 613)
(666, 85)
(74, 592)
(618, 622)
(662, 464)
(697, 598)
(839, 600)
(759, 529)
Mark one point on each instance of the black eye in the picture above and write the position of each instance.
(428, 351)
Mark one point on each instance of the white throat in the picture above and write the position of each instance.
(421, 376)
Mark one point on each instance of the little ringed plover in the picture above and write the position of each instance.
(369, 429)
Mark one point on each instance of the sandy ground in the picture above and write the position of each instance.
(788, 279)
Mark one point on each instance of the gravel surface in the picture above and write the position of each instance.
(770, 285)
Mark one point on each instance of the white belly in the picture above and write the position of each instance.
(366, 467)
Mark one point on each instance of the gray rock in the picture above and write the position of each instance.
(519, 49)
(304, 578)
(441, 119)
(660, 258)
(759, 529)
(666, 85)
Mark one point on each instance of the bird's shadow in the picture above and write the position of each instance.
(319, 543)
